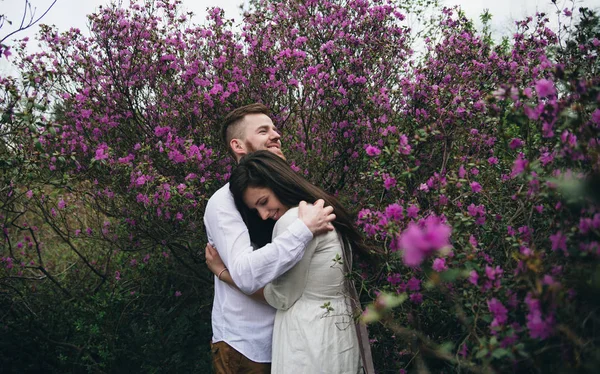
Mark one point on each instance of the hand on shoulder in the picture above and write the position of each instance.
(316, 217)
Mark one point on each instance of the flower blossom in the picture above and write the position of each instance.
(420, 240)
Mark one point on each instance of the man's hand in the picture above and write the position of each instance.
(213, 260)
(316, 217)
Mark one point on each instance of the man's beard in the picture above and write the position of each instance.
(251, 149)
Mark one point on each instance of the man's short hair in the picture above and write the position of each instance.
(230, 127)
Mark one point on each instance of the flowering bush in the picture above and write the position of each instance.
(474, 166)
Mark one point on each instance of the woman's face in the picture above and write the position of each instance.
(265, 202)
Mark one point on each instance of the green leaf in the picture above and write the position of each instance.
(450, 275)
(482, 353)
(500, 352)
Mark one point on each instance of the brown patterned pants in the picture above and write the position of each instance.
(226, 360)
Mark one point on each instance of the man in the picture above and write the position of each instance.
(243, 327)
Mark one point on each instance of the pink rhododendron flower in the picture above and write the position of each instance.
(519, 166)
(498, 311)
(101, 152)
(473, 277)
(545, 88)
(539, 327)
(475, 187)
(389, 182)
(412, 211)
(373, 151)
(394, 211)
(596, 117)
(559, 241)
(420, 240)
(515, 143)
(439, 265)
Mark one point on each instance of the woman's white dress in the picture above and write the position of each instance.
(314, 331)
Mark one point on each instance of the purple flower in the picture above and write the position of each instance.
(101, 152)
(473, 277)
(177, 293)
(416, 298)
(411, 211)
(559, 241)
(389, 183)
(117, 275)
(539, 327)
(439, 265)
(499, 311)
(419, 241)
(373, 151)
(515, 143)
(394, 212)
(413, 284)
(545, 88)
(475, 187)
(141, 180)
(519, 166)
(596, 117)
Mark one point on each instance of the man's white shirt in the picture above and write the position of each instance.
(240, 321)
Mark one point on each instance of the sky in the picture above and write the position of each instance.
(72, 13)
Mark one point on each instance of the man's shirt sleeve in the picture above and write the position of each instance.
(252, 269)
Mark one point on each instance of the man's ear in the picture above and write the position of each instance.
(238, 147)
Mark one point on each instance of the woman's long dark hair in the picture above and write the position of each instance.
(265, 169)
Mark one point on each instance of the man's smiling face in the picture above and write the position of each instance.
(261, 134)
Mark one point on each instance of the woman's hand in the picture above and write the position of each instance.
(213, 260)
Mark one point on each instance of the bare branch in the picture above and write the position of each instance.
(31, 22)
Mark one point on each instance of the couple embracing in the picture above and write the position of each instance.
(282, 303)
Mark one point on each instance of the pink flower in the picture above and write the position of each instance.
(412, 211)
(373, 151)
(475, 187)
(416, 298)
(439, 265)
(539, 327)
(596, 117)
(473, 277)
(559, 241)
(515, 143)
(413, 284)
(389, 183)
(498, 311)
(101, 152)
(519, 166)
(545, 88)
(420, 240)
(177, 293)
(61, 204)
(493, 161)
(394, 212)
(6, 51)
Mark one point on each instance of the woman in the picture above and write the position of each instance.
(314, 330)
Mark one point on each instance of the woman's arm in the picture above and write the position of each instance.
(216, 265)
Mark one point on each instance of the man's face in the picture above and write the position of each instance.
(261, 134)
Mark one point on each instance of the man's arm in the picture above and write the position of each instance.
(284, 291)
(250, 269)
(216, 265)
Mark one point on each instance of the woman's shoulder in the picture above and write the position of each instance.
(292, 212)
(288, 217)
